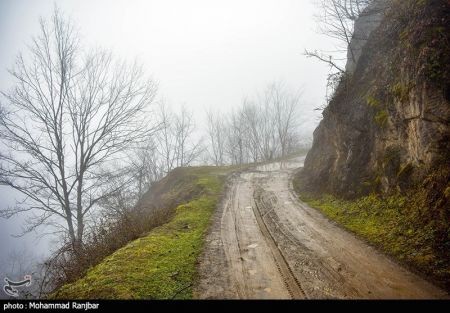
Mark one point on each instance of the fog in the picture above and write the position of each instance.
(203, 54)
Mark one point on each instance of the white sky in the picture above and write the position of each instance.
(203, 53)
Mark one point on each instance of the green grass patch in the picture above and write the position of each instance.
(162, 264)
(381, 118)
(372, 102)
(401, 91)
(372, 218)
(397, 224)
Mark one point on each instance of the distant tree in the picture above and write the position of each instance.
(132, 178)
(262, 129)
(145, 166)
(216, 131)
(187, 148)
(237, 137)
(176, 142)
(285, 108)
(67, 117)
(267, 129)
(253, 118)
(165, 138)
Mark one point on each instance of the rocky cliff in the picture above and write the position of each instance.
(367, 22)
(387, 128)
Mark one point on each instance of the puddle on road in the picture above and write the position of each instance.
(276, 166)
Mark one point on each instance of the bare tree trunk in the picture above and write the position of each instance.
(216, 133)
(65, 120)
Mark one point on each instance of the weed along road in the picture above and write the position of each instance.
(266, 244)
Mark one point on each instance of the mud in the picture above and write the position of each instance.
(266, 244)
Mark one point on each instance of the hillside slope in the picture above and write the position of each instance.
(162, 263)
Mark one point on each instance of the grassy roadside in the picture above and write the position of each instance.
(395, 224)
(161, 264)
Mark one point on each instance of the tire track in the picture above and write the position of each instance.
(266, 244)
(292, 284)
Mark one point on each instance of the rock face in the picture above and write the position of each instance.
(369, 20)
(387, 127)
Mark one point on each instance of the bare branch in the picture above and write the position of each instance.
(324, 58)
(66, 119)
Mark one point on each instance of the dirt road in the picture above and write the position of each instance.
(266, 244)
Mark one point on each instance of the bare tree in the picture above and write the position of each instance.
(216, 130)
(285, 107)
(259, 130)
(145, 167)
(236, 144)
(132, 178)
(176, 143)
(165, 138)
(66, 119)
(336, 20)
(187, 149)
(253, 117)
(269, 143)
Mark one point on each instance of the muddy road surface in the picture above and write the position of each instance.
(266, 244)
